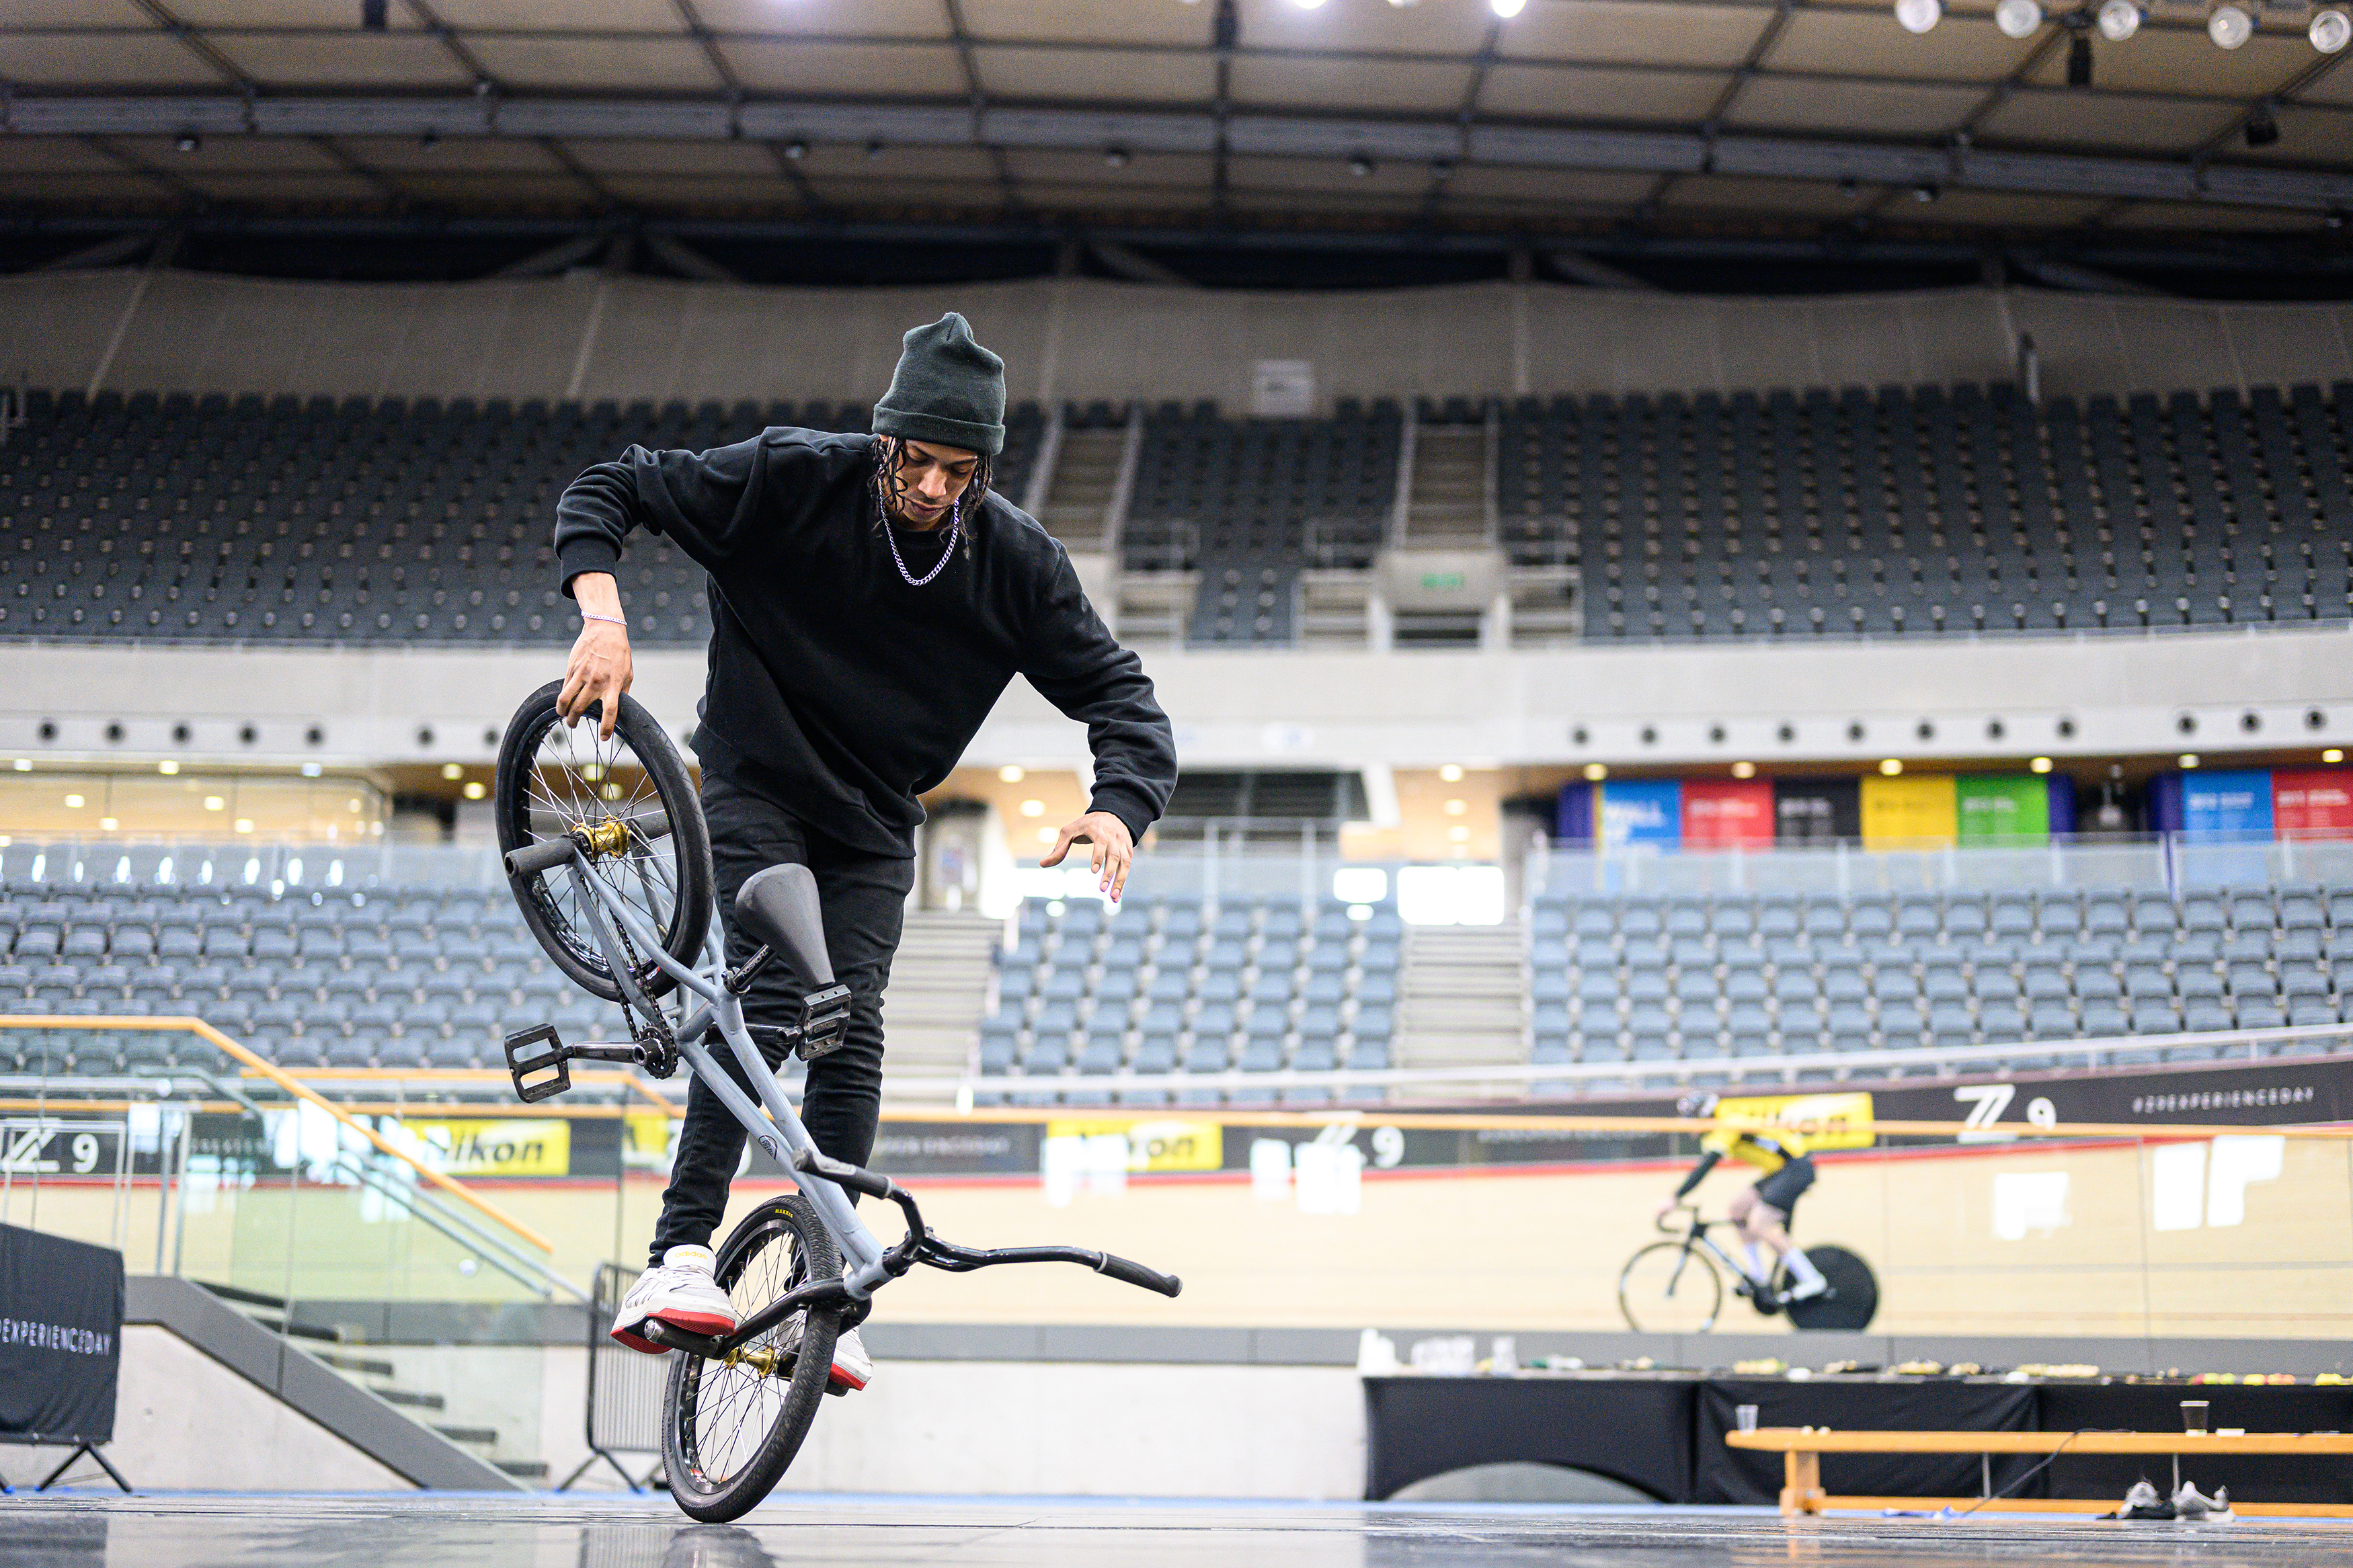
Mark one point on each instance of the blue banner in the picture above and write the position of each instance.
(1641, 811)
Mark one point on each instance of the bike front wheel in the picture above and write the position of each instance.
(732, 1426)
(1670, 1288)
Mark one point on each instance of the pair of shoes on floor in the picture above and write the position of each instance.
(682, 1293)
(2144, 1501)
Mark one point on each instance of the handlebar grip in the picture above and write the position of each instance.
(545, 856)
(1136, 1274)
(857, 1178)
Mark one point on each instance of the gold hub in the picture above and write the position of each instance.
(763, 1361)
(607, 835)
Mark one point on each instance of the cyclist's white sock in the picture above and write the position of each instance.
(1758, 1270)
(1802, 1267)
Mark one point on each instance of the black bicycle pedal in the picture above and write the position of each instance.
(825, 1022)
(537, 1061)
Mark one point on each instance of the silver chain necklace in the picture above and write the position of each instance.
(955, 527)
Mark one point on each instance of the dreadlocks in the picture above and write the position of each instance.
(890, 489)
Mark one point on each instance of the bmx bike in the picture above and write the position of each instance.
(1677, 1285)
(606, 848)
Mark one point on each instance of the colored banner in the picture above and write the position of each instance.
(1641, 811)
(2003, 808)
(1816, 811)
(1573, 823)
(1910, 811)
(1155, 1147)
(2313, 802)
(2237, 803)
(1827, 1121)
(1719, 813)
(504, 1146)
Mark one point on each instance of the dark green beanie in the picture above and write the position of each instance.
(948, 389)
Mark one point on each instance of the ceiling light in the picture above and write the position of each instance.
(796, 150)
(2262, 129)
(168, 768)
(1457, 807)
(1047, 836)
(1890, 767)
(476, 790)
(1116, 157)
(1743, 770)
(244, 824)
(1451, 772)
(24, 764)
(2119, 20)
(2079, 61)
(2016, 19)
(1459, 834)
(452, 771)
(1011, 774)
(2330, 31)
(2334, 755)
(2040, 765)
(1918, 15)
(1033, 808)
(214, 802)
(109, 824)
(1307, 5)
(1507, 9)
(73, 803)
(1924, 192)
(2189, 759)
(2228, 26)
(1360, 165)
(1400, 4)
(312, 770)
(1595, 773)
(189, 142)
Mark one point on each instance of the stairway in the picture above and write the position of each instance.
(939, 988)
(1463, 1000)
(1447, 507)
(381, 1377)
(1078, 497)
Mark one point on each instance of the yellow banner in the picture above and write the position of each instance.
(1910, 811)
(1830, 1120)
(1153, 1146)
(502, 1148)
(645, 1139)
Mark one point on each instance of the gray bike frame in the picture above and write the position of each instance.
(780, 1131)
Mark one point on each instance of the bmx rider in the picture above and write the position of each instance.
(871, 597)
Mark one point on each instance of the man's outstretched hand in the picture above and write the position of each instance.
(1114, 851)
(599, 668)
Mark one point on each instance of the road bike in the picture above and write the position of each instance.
(1678, 1286)
(606, 848)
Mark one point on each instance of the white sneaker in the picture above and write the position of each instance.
(853, 1369)
(1806, 1290)
(682, 1293)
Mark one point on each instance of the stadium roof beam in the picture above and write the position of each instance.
(685, 259)
(1134, 266)
(999, 127)
(105, 253)
(557, 256)
(2083, 279)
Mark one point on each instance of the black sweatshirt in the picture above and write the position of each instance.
(837, 689)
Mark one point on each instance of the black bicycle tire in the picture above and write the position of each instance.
(1855, 1301)
(674, 789)
(812, 1369)
(1699, 1257)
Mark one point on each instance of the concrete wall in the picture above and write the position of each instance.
(183, 1421)
(638, 337)
(2120, 693)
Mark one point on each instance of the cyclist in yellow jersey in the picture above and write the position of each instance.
(1762, 1212)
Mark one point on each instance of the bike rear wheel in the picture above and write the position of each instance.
(1853, 1297)
(730, 1428)
(555, 779)
(1670, 1288)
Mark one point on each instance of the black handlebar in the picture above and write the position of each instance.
(857, 1178)
(1128, 1273)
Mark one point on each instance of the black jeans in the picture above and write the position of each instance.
(865, 899)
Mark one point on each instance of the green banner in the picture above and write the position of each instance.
(2004, 809)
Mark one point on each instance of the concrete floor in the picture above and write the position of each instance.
(186, 1531)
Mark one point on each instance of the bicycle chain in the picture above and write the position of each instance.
(657, 1046)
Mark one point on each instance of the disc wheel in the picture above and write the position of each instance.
(1852, 1299)
(731, 1427)
(554, 778)
(1668, 1288)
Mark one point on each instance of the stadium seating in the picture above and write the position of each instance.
(353, 522)
(1173, 984)
(1934, 511)
(1647, 979)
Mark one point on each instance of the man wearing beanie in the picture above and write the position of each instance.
(870, 598)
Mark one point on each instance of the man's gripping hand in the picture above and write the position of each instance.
(599, 668)
(1115, 850)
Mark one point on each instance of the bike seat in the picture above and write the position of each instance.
(779, 907)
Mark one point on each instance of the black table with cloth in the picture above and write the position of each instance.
(1663, 1433)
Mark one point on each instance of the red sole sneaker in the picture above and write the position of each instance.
(686, 1322)
(842, 1379)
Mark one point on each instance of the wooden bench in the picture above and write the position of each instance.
(1802, 1449)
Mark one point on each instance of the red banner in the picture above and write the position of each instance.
(2313, 802)
(1727, 813)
